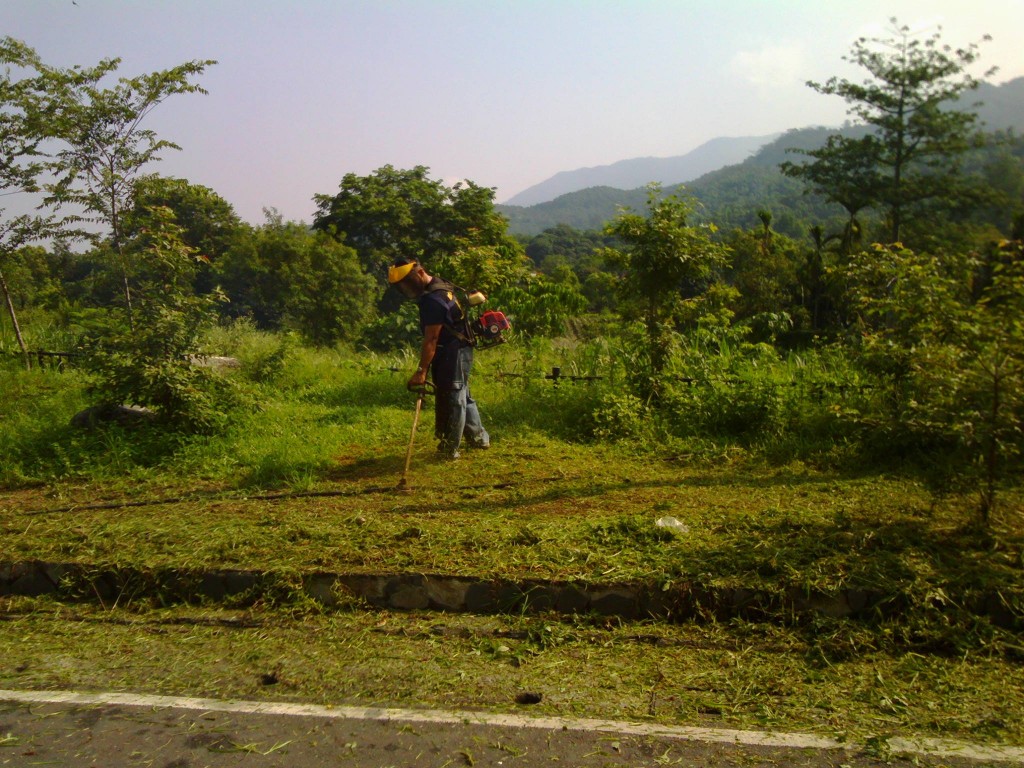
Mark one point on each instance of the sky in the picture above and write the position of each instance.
(505, 93)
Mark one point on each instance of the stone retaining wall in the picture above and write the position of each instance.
(446, 593)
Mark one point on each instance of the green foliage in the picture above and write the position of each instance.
(105, 145)
(403, 213)
(102, 146)
(154, 365)
(665, 260)
(765, 273)
(539, 307)
(22, 131)
(393, 330)
(484, 268)
(953, 363)
(33, 278)
(286, 277)
(618, 416)
(913, 155)
(208, 222)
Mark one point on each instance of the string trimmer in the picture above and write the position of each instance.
(426, 388)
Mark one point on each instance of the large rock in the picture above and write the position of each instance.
(125, 415)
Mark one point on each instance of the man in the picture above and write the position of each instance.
(447, 352)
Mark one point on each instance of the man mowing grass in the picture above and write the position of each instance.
(447, 351)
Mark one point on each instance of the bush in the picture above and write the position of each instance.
(618, 416)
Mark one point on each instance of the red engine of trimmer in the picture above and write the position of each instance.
(489, 327)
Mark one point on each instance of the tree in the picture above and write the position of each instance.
(153, 365)
(285, 276)
(846, 172)
(394, 213)
(912, 154)
(953, 359)
(105, 145)
(34, 278)
(21, 133)
(765, 271)
(664, 261)
(539, 306)
(208, 222)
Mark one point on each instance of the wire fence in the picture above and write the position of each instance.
(60, 361)
(44, 359)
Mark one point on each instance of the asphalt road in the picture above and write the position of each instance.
(110, 735)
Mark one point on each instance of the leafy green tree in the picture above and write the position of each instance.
(817, 290)
(105, 146)
(953, 359)
(403, 213)
(539, 306)
(665, 260)
(208, 222)
(765, 272)
(564, 244)
(482, 267)
(845, 171)
(913, 153)
(1002, 169)
(35, 278)
(153, 365)
(22, 122)
(285, 276)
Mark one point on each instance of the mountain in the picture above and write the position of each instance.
(732, 194)
(741, 189)
(641, 171)
(1001, 107)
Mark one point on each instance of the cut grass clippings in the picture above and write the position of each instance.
(592, 518)
(735, 675)
(579, 515)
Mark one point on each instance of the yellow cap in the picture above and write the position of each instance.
(399, 272)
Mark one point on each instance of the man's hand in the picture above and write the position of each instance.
(418, 379)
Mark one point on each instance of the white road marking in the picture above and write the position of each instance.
(920, 746)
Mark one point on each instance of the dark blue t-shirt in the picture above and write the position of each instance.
(438, 306)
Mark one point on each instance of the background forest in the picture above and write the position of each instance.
(849, 298)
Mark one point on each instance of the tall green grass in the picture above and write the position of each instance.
(303, 408)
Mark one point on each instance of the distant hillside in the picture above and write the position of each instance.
(641, 171)
(755, 183)
(1002, 106)
(733, 194)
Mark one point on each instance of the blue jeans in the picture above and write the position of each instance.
(455, 412)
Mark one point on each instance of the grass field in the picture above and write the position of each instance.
(306, 480)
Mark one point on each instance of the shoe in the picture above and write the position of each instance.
(479, 446)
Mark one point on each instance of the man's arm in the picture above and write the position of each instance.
(431, 334)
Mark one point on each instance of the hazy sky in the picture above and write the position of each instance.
(503, 92)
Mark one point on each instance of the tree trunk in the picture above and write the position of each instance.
(14, 321)
(115, 225)
(988, 494)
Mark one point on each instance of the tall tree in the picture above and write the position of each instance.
(765, 271)
(912, 154)
(208, 222)
(152, 365)
(105, 145)
(393, 213)
(664, 260)
(285, 276)
(21, 159)
(846, 172)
